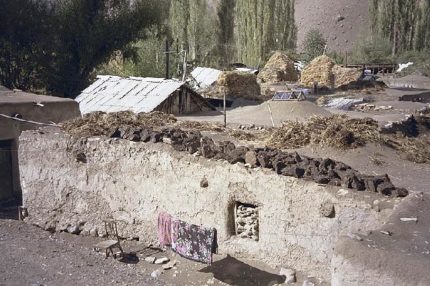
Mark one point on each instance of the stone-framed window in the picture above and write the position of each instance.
(246, 221)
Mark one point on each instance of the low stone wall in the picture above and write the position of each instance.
(69, 185)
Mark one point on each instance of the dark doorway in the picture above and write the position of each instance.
(6, 173)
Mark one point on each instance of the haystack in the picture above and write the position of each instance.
(236, 85)
(279, 68)
(329, 75)
(319, 70)
(345, 76)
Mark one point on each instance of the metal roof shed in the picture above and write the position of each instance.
(137, 94)
(205, 77)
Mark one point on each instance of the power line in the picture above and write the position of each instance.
(28, 121)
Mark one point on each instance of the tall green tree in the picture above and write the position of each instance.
(405, 23)
(192, 29)
(225, 32)
(63, 41)
(314, 45)
(263, 26)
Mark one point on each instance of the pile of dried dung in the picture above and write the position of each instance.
(279, 68)
(413, 149)
(337, 131)
(319, 70)
(343, 77)
(103, 124)
(238, 85)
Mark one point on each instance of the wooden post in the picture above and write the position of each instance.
(225, 110)
(271, 115)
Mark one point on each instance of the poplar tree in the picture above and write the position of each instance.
(404, 22)
(225, 32)
(263, 26)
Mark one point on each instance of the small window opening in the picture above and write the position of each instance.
(246, 221)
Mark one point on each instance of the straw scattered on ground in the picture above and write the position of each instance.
(101, 123)
(342, 132)
(413, 149)
(200, 126)
(337, 131)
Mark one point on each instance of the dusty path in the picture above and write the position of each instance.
(31, 256)
(34, 257)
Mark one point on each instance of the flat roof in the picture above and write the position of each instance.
(8, 96)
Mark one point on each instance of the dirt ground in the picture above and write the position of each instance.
(32, 256)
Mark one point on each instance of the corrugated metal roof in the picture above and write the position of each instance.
(205, 77)
(113, 94)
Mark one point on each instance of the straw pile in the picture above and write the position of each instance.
(279, 68)
(319, 70)
(337, 131)
(413, 149)
(237, 85)
(345, 76)
(103, 124)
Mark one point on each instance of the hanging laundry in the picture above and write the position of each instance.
(193, 241)
(164, 229)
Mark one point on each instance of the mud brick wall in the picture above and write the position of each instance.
(69, 184)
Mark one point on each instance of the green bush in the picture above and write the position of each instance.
(375, 50)
(313, 45)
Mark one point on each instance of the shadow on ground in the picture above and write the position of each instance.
(234, 272)
(129, 258)
(9, 213)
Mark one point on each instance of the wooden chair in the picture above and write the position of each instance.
(22, 213)
(112, 241)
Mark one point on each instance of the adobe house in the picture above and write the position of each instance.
(137, 94)
(17, 108)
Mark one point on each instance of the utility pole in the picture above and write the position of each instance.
(167, 60)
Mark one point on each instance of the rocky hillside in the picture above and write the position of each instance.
(341, 21)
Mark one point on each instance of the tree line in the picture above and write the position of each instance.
(244, 31)
(57, 46)
(405, 23)
(54, 46)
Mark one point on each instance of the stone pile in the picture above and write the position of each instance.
(321, 171)
(247, 222)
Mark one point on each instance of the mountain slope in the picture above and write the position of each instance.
(324, 16)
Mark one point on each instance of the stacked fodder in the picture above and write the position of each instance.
(238, 85)
(319, 70)
(279, 68)
(344, 77)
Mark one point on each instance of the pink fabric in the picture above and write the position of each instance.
(164, 229)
